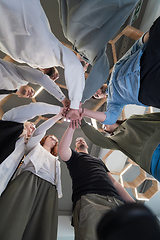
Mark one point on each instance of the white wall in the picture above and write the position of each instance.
(65, 230)
(153, 204)
(151, 13)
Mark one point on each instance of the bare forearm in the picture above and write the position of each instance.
(123, 193)
(67, 138)
(64, 146)
(99, 116)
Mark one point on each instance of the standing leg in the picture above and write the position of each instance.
(88, 212)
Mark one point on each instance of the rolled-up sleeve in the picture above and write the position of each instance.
(112, 113)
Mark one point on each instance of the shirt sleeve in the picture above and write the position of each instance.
(70, 163)
(74, 75)
(112, 113)
(35, 76)
(97, 76)
(23, 113)
(39, 134)
(95, 136)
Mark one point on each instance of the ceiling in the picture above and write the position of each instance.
(52, 12)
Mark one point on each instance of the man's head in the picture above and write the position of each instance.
(101, 93)
(25, 91)
(81, 145)
(51, 72)
(83, 62)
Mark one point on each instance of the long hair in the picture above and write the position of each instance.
(54, 150)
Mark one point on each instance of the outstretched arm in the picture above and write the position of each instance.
(109, 117)
(74, 75)
(47, 124)
(96, 137)
(35, 76)
(23, 113)
(64, 146)
(121, 191)
(99, 116)
(41, 131)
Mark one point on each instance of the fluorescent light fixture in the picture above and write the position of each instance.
(94, 123)
(38, 91)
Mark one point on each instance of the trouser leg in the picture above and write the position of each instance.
(88, 212)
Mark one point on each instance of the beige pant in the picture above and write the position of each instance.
(88, 212)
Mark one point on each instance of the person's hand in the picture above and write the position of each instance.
(64, 111)
(81, 112)
(74, 123)
(66, 102)
(73, 114)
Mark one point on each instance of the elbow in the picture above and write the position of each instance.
(104, 117)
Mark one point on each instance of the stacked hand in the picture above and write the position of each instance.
(66, 103)
(74, 115)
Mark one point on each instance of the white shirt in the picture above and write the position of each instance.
(41, 162)
(9, 166)
(21, 114)
(13, 77)
(27, 38)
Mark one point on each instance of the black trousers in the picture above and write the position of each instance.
(149, 93)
